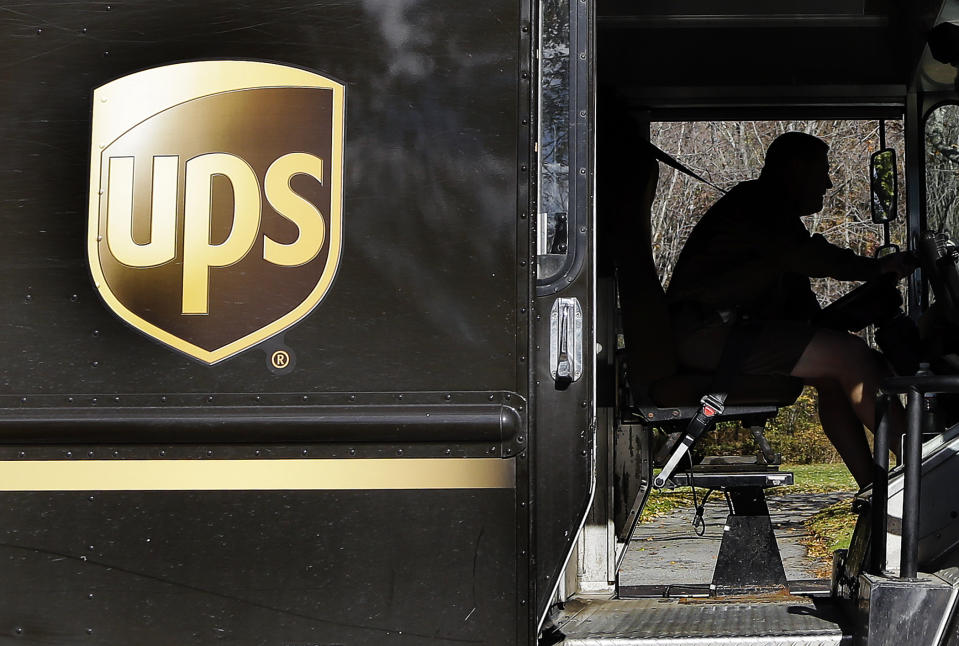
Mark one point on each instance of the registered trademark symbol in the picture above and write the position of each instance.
(280, 359)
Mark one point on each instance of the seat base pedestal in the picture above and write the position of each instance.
(749, 559)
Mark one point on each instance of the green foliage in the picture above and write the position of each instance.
(795, 432)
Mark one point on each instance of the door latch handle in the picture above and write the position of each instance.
(566, 341)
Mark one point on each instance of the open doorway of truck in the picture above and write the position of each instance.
(667, 552)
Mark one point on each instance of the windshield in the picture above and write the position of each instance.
(942, 169)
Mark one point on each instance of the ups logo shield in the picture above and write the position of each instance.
(216, 200)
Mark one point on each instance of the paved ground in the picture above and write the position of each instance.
(667, 550)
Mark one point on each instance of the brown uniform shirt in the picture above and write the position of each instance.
(745, 255)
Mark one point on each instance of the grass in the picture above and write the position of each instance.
(820, 478)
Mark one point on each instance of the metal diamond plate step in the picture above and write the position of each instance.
(669, 622)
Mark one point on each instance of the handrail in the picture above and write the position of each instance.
(229, 424)
(916, 389)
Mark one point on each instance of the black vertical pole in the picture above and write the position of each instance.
(880, 487)
(882, 146)
(912, 457)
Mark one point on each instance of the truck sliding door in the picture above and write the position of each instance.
(563, 371)
(264, 317)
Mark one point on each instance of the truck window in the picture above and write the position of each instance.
(552, 240)
(562, 180)
(942, 169)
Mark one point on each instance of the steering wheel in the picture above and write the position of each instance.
(878, 302)
(939, 257)
(872, 302)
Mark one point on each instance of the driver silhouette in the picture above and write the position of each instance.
(748, 262)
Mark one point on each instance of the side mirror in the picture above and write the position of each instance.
(882, 176)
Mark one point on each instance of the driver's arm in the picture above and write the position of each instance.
(813, 256)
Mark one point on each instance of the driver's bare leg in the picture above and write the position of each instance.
(848, 361)
(843, 428)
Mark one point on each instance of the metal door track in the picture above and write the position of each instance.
(797, 587)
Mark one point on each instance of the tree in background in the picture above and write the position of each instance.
(729, 152)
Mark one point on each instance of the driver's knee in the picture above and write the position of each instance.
(835, 355)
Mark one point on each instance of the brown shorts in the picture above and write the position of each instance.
(774, 347)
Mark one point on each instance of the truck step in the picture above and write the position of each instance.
(938, 524)
(712, 622)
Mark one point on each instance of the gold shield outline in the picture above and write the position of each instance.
(123, 104)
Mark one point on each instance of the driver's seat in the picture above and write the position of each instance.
(627, 181)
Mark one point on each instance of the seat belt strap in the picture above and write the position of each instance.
(667, 159)
(710, 406)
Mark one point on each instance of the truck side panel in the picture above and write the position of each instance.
(409, 379)
(258, 567)
(425, 295)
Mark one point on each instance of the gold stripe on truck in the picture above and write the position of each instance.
(257, 475)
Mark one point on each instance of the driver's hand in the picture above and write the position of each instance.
(901, 264)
